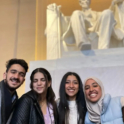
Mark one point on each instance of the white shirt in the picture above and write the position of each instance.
(73, 112)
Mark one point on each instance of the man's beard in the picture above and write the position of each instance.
(11, 89)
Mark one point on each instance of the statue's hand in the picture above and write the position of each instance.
(114, 2)
(53, 7)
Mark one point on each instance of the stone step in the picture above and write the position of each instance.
(107, 65)
(100, 58)
(102, 52)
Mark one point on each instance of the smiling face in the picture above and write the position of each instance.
(14, 77)
(71, 87)
(85, 3)
(39, 83)
(93, 91)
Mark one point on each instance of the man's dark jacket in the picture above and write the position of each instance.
(6, 105)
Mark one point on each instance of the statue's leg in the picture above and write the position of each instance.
(104, 27)
(78, 26)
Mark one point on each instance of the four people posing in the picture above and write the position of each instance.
(38, 106)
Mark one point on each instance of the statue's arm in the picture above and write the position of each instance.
(114, 3)
(54, 15)
(117, 2)
(53, 7)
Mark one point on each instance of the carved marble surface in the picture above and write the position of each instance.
(108, 65)
(102, 30)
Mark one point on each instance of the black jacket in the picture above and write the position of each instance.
(28, 111)
(6, 105)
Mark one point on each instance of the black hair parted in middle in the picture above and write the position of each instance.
(63, 104)
(50, 93)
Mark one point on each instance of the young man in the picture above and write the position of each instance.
(13, 78)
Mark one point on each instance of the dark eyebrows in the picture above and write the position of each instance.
(73, 80)
(40, 79)
(95, 83)
(68, 80)
(14, 70)
(92, 84)
(34, 79)
(86, 86)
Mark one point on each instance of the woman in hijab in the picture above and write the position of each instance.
(102, 109)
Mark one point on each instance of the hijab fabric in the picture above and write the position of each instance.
(95, 109)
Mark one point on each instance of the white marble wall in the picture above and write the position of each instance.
(105, 65)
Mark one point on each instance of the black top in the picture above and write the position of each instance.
(8, 101)
(26, 111)
(7, 105)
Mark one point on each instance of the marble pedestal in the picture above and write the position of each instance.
(107, 65)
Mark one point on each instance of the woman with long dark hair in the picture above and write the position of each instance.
(71, 105)
(38, 105)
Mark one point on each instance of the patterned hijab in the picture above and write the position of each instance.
(94, 109)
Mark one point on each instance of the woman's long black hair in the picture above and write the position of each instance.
(50, 97)
(63, 106)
